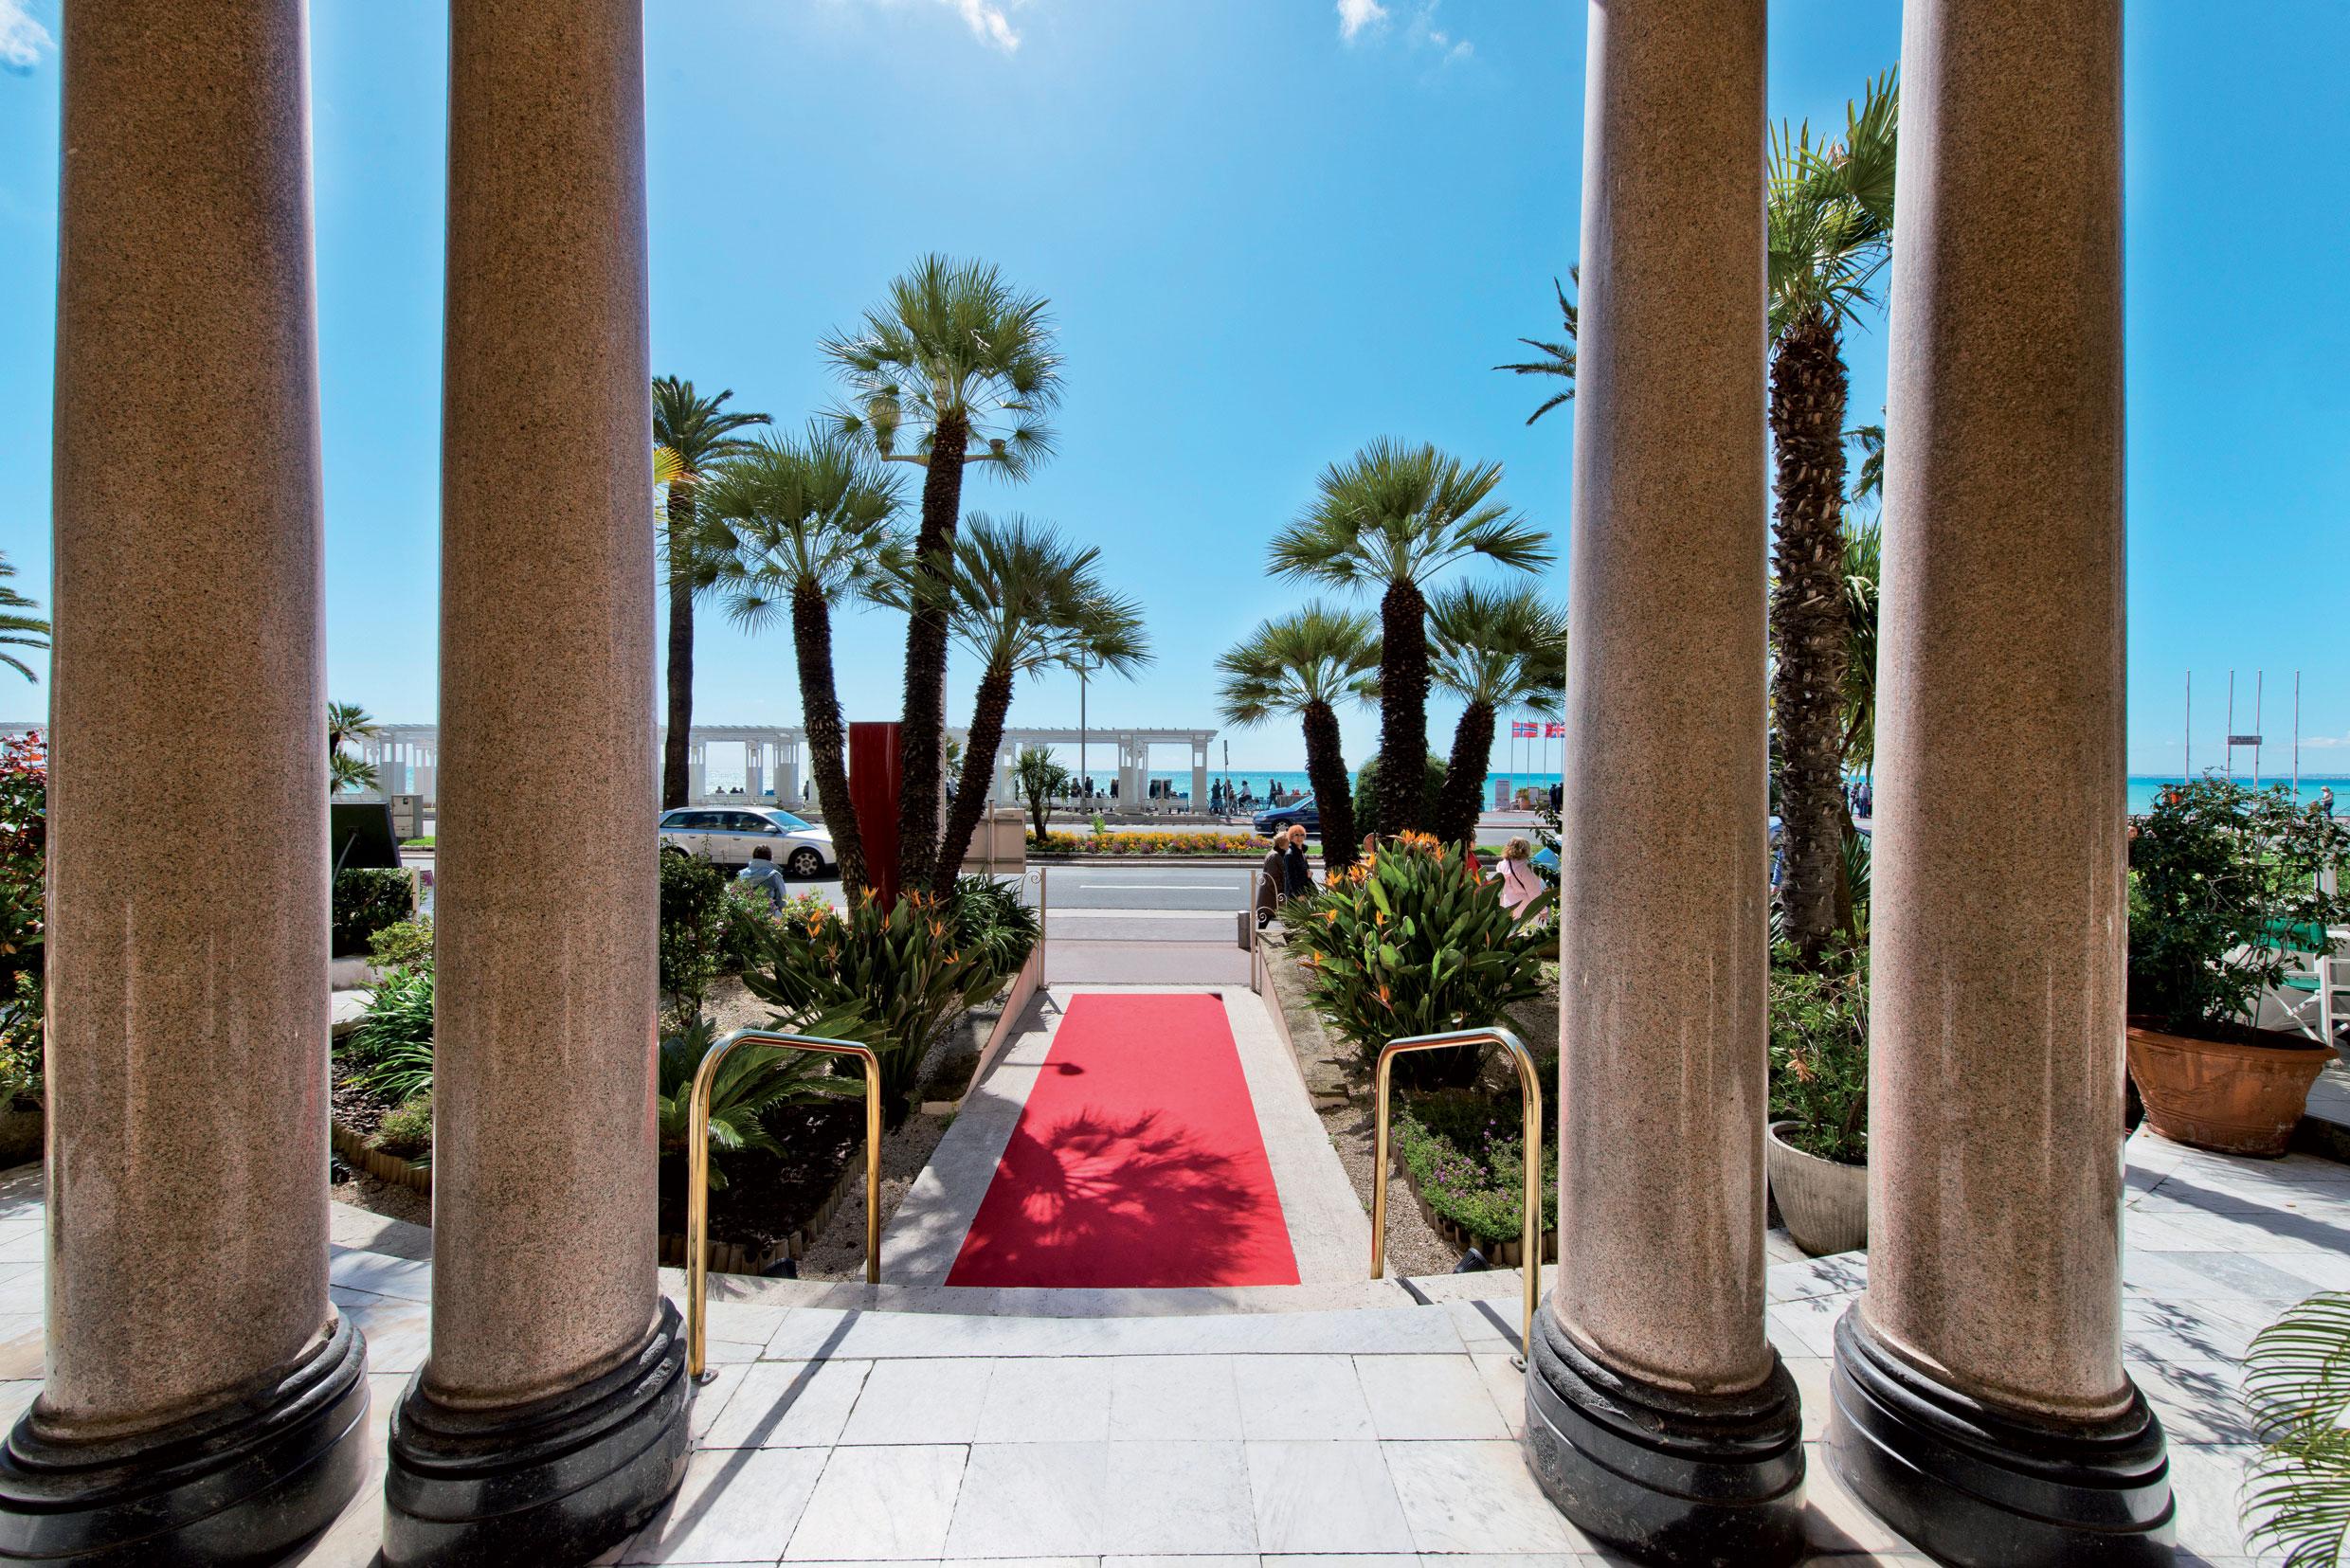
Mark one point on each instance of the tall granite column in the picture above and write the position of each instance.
(204, 1402)
(1979, 1401)
(550, 1418)
(1659, 1416)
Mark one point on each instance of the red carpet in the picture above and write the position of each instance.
(1136, 1161)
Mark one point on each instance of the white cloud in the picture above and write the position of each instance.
(2323, 742)
(986, 20)
(21, 39)
(1353, 16)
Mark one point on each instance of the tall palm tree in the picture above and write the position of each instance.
(697, 433)
(1393, 516)
(1022, 600)
(1494, 648)
(1864, 554)
(1554, 359)
(347, 721)
(1829, 223)
(808, 523)
(955, 367)
(18, 627)
(1304, 663)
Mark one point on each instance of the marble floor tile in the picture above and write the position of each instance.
(1476, 1497)
(788, 1405)
(1300, 1397)
(920, 1401)
(1031, 1500)
(1178, 1497)
(1173, 1397)
(881, 1503)
(1050, 1399)
(1415, 1398)
(1324, 1497)
(735, 1505)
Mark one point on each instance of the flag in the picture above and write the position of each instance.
(1554, 730)
(1523, 729)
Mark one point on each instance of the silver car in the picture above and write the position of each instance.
(727, 835)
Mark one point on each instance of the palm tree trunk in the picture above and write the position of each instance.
(1456, 815)
(1326, 765)
(921, 738)
(1808, 630)
(820, 712)
(677, 743)
(1401, 806)
(979, 769)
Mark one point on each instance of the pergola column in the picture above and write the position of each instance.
(549, 1419)
(1660, 1417)
(1979, 1399)
(204, 1402)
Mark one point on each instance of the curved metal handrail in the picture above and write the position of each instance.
(1530, 1103)
(697, 1167)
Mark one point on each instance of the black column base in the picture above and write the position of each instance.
(1978, 1488)
(236, 1487)
(555, 1482)
(1678, 1479)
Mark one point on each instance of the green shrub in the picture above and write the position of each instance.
(1411, 942)
(367, 900)
(21, 1079)
(693, 929)
(751, 1082)
(991, 920)
(906, 970)
(391, 1053)
(746, 926)
(1367, 790)
(406, 942)
(406, 1133)
(2219, 873)
(23, 861)
(1819, 1053)
(1467, 1155)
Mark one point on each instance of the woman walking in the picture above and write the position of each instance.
(1519, 886)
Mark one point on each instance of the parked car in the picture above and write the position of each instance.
(1284, 815)
(726, 834)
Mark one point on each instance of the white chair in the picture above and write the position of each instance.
(2315, 992)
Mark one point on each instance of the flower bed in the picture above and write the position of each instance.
(1146, 844)
(1464, 1156)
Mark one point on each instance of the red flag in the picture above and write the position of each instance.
(1554, 731)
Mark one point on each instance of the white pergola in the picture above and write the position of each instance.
(1133, 757)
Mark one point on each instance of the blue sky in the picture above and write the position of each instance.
(1271, 229)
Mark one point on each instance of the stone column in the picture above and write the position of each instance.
(1660, 1418)
(549, 1420)
(1979, 1399)
(203, 1399)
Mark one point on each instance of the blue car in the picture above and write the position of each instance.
(1284, 816)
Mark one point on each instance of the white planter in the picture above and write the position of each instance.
(1825, 1204)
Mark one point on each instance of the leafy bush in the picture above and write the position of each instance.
(751, 1082)
(2219, 873)
(21, 1077)
(406, 942)
(905, 969)
(1411, 942)
(746, 926)
(2297, 1382)
(693, 929)
(1819, 1053)
(23, 863)
(1467, 1155)
(407, 1132)
(803, 907)
(991, 920)
(390, 1052)
(1367, 790)
(1101, 841)
(366, 900)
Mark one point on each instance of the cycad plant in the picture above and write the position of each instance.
(2297, 1382)
(1305, 663)
(696, 433)
(750, 1084)
(1393, 518)
(1022, 600)
(19, 627)
(808, 525)
(1556, 360)
(1494, 648)
(955, 367)
(1829, 223)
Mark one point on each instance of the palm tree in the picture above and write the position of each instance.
(1039, 777)
(697, 433)
(1864, 554)
(1554, 359)
(807, 524)
(1393, 516)
(955, 367)
(1494, 648)
(18, 629)
(1830, 225)
(346, 722)
(1023, 599)
(1303, 664)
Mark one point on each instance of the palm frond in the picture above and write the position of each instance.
(2297, 1383)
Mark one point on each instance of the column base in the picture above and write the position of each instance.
(1978, 1488)
(1678, 1479)
(553, 1482)
(236, 1487)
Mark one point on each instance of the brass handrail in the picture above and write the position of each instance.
(697, 1168)
(1530, 1100)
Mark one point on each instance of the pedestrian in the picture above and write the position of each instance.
(1297, 872)
(2326, 800)
(1520, 887)
(762, 874)
(1271, 880)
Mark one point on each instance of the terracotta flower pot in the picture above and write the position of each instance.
(2237, 1096)
(1825, 1203)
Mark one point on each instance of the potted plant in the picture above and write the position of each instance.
(1815, 1151)
(2227, 884)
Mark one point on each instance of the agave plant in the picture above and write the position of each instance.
(391, 1049)
(2297, 1382)
(751, 1082)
